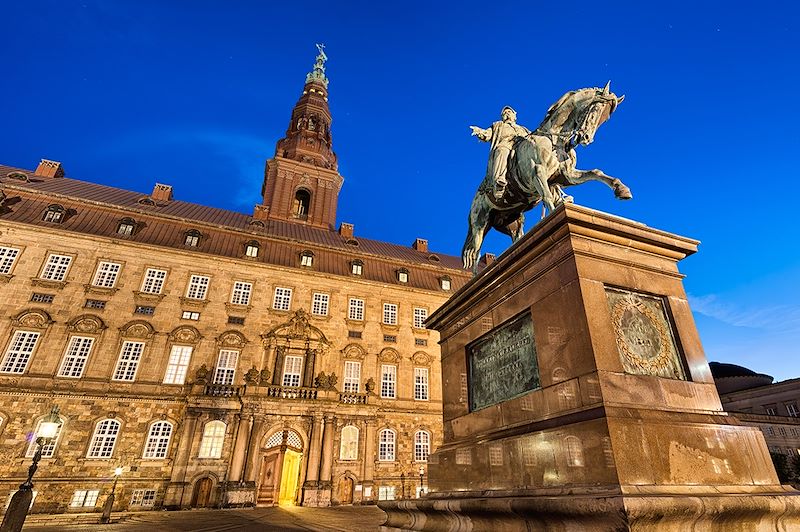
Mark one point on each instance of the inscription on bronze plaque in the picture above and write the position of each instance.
(502, 364)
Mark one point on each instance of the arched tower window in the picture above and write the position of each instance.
(302, 202)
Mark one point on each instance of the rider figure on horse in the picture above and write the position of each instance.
(501, 134)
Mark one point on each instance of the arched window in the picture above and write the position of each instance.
(357, 267)
(251, 249)
(348, 450)
(307, 258)
(386, 447)
(157, 442)
(54, 214)
(104, 439)
(49, 449)
(302, 202)
(213, 438)
(126, 227)
(192, 238)
(422, 446)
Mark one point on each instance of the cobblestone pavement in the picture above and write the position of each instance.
(278, 519)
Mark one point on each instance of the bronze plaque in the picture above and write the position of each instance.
(502, 364)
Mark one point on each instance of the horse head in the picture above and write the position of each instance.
(577, 115)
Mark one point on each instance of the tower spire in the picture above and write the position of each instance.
(318, 73)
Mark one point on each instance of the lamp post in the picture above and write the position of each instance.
(403, 483)
(21, 501)
(106, 517)
(421, 476)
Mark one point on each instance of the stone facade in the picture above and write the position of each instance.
(204, 395)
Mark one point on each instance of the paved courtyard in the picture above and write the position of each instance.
(289, 519)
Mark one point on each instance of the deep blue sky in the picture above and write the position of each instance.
(195, 94)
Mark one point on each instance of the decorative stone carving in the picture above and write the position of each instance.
(230, 339)
(35, 319)
(326, 382)
(370, 385)
(87, 323)
(44, 283)
(185, 334)
(252, 377)
(297, 328)
(137, 329)
(644, 335)
(265, 375)
(389, 355)
(354, 351)
(421, 359)
(201, 375)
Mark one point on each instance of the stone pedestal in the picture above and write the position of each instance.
(577, 397)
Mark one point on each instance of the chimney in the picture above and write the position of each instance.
(488, 259)
(48, 168)
(420, 244)
(346, 230)
(162, 192)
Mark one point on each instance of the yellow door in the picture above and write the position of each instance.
(289, 475)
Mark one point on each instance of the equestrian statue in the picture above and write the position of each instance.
(531, 167)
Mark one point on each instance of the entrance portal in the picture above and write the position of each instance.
(201, 497)
(280, 469)
(346, 490)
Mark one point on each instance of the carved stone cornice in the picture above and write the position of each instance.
(86, 323)
(193, 303)
(99, 290)
(238, 309)
(44, 283)
(146, 297)
(35, 319)
(4, 278)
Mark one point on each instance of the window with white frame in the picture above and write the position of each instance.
(307, 259)
(104, 439)
(240, 295)
(84, 499)
(145, 498)
(420, 315)
(106, 274)
(128, 361)
(445, 283)
(356, 267)
(55, 269)
(213, 439)
(421, 384)
(198, 287)
(386, 493)
(386, 445)
(348, 449)
(388, 381)
(282, 299)
(319, 304)
(352, 376)
(389, 314)
(54, 214)
(8, 256)
(422, 446)
(19, 352)
(126, 227)
(251, 249)
(153, 281)
(226, 366)
(178, 364)
(48, 449)
(190, 315)
(355, 309)
(791, 408)
(157, 443)
(192, 238)
(402, 275)
(292, 369)
(75, 357)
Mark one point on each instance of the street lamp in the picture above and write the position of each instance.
(21, 501)
(421, 476)
(106, 517)
(403, 483)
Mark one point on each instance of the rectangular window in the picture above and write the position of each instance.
(355, 309)
(226, 366)
(282, 299)
(235, 320)
(292, 368)
(354, 334)
(8, 256)
(190, 315)
(178, 364)
(95, 303)
(319, 304)
(421, 384)
(352, 376)
(75, 358)
(420, 342)
(55, 269)
(389, 314)
(792, 409)
(388, 381)
(385, 493)
(106, 275)
(240, 295)
(42, 298)
(19, 352)
(771, 410)
(84, 498)
(142, 309)
(128, 362)
(143, 498)
(153, 281)
(198, 286)
(390, 338)
(420, 315)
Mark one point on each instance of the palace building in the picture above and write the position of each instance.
(219, 358)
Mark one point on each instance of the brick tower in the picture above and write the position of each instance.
(301, 183)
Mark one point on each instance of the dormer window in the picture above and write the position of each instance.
(302, 201)
(402, 275)
(307, 259)
(251, 249)
(357, 267)
(445, 283)
(54, 214)
(192, 238)
(126, 227)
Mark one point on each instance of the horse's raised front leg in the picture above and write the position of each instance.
(477, 224)
(576, 177)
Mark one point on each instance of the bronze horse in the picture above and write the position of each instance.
(540, 165)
